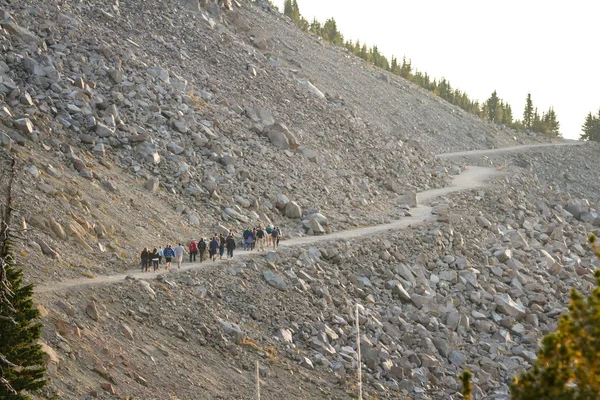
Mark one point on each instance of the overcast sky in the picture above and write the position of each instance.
(548, 48)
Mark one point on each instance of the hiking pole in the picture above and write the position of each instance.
(257, 382)
(359, 367)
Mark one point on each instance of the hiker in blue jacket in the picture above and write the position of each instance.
(168, 253)
(213, 247)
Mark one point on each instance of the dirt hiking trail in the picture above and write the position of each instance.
(472, 178)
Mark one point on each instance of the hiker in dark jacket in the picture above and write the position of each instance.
(145, 256)
(155, 258)
(213, 248)
(221, 246)
(260, 238)
(202, 248)
(275, 237)
(230, 244)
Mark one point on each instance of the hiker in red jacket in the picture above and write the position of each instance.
(193, 247)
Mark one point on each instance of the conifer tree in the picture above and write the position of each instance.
(591, 128)
(492, 107)
(406, 68)
(567, 365)
(528, 113)
(21, 359)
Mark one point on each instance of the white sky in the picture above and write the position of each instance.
(548, 48)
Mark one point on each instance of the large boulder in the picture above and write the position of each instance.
(293, 210)
(9, 24)
(275, 280)
(506, 305)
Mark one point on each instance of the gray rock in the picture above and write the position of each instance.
(503, 255)
(47, 250)
(409, 198)
(48, 189)
(92, 311)
(159, 73)
(17, 138)
(99, 150)
(232, 330)
(278, 139)
(483, 222)
(293, 210)
(236, 215)
(104, 131)
(310, 154)
(152, 184)
(15, 30)
(285, 335)
(175, 148)
(457, 358)
(399, 290)
(24, 125)
(6, 141)
(506, 305)
(275, 280)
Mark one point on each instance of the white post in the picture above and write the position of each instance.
(359, 368)
(257, 382)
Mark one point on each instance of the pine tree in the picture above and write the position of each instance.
(315, 27)
(567, 365)
(303, 24)
(528, 113)
(331, 33)
(492, 107)
(551, 122)
(291, 10)
(406, 68)
(591, 128)
(18, 334)
(507, 117)
(21, 359)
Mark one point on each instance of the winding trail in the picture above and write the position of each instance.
(472, 178)
(512, 149)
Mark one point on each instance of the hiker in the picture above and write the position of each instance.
(168, 253)
(179, 250)
(275, 237)
(160, 255)
(201, 248)
(145, 257)
(248, 240)
(213, 247)
(221, 246)
(260, 238)
(253, 239)
(193, 250)
(246, 233)
(230, 243)
(155, 259)
(269, 230)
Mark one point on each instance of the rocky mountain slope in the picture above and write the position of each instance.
(140, 123)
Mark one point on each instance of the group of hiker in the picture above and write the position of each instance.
(216, 246)
(258, 236)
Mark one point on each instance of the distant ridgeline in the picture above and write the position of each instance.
(493, 109)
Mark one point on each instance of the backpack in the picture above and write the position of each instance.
(202, 245)
(260, 234)
(193, 246)
(269, 230)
